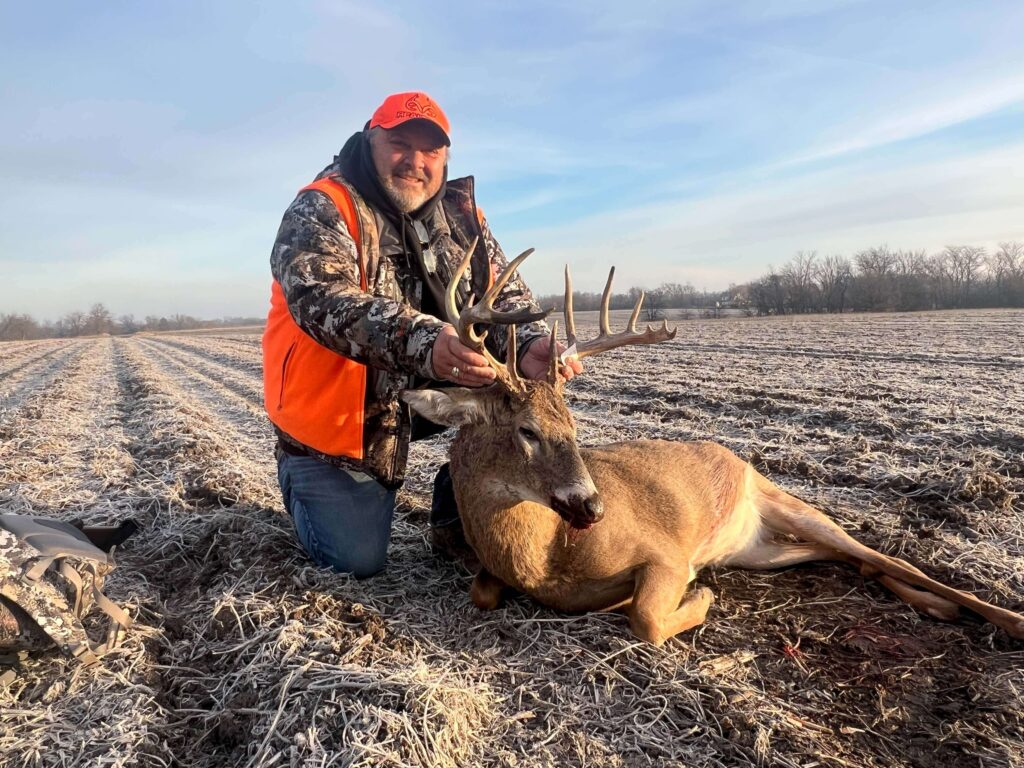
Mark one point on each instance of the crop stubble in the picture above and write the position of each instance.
(908, 429)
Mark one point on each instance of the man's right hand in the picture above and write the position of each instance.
(454, 361)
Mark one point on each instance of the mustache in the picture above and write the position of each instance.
(409, 173)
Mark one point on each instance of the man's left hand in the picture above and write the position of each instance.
(534, 363)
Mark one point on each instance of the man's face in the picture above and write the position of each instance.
(410, 160)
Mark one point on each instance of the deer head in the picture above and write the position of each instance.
(525, 424)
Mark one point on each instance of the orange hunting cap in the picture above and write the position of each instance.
(399, 108)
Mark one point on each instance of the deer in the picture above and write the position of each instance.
(625, 526)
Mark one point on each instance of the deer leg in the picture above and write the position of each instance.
(925, 602)
(655, 612)
(770, 555)
(787, 514)
(486, 592)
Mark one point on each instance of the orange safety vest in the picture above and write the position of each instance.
(310, 392)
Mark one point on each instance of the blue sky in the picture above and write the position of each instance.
(147, 151)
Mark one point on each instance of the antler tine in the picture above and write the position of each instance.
(451, 307)
(606, 299)
(631, 327)
(607, 340)
(570, 321)
(510, 358)
(553, 362)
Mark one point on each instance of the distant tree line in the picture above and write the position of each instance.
(874, 280)
(884, 280)
(665, 296)
(98, 320)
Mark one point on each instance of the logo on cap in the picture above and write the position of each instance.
(417, 109)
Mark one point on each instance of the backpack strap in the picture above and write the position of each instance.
(342, 199)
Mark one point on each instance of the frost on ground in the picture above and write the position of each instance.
(908, 429)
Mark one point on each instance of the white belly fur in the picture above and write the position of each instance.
(742, 529)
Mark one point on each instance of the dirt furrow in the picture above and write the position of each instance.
(247, 344)
(65, 452)
(243, 346)
(211, 423)
(14, 353)
(35, 375)
(215, 351)
(1002, 361)
(239, 383)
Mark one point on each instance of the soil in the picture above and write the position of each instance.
(906, 429)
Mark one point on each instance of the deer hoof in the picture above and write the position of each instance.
(485, 596)
(1017, 630)
(944, 613)
(703, 595)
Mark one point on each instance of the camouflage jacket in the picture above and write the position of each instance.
(315, 261)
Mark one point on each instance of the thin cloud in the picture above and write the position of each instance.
(942, 111)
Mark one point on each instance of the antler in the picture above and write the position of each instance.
(484, 312)
(606, 339)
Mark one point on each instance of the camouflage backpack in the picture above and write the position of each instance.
(52, 576)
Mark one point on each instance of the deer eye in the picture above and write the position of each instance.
(528, 434)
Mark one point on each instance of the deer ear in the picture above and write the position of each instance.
(452, 407)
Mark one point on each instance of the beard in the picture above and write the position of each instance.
(406, 200)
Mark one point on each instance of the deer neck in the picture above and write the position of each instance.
(512, 536)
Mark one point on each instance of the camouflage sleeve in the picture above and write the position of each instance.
(515, 295)
(316, 263)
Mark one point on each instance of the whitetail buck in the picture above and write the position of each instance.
(654, 512)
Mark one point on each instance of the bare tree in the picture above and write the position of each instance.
(880, 279)
(18, 327)
(798, 282)
(127, 324)
(72, 324)
(768, 294)
(654, 305)
(910, 270)
(1006, 267)
(678, 295)
(99, 320)
(874, 281)
(834, 274)
(962, 264)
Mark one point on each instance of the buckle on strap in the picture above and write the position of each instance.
(83, 653)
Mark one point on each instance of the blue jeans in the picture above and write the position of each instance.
(342, 518)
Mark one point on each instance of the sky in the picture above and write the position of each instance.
(148, 150)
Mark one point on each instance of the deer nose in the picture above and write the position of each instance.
(581, 507)
(593, 509)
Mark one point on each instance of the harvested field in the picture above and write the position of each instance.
(907, 429)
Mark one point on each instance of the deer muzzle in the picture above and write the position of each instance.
(578, 507)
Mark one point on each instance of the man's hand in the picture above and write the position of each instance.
(453, 361)
(534, 364)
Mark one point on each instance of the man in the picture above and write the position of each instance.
(360, 266)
